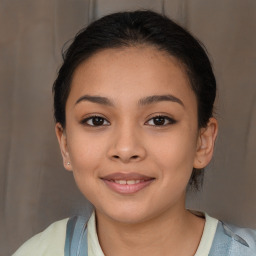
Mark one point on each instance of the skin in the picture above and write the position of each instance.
(130, 141)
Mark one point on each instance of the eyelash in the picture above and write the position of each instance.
(84, 121)
(165, 118)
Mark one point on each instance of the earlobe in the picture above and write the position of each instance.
(62, 139)
(205, 144)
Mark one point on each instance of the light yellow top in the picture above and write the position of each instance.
(208, 236)
(51, 241)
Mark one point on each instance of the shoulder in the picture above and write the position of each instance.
(232, 240)
(50, 242)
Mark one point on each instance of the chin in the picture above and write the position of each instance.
(127, 215)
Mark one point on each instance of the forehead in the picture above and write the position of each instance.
(131, 72)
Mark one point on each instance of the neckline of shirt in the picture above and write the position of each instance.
(203, 249)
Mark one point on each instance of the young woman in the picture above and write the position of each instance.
(133, 106)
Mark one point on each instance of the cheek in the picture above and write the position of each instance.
(175, 154)
(86, 156)
(86, 152)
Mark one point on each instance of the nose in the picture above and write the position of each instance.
(126, 145)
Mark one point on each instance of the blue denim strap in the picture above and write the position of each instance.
(76, 237)
(230, 241)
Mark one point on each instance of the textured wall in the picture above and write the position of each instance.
(35, 190)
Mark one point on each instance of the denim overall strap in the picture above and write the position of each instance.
(227, 242)
(76, 237)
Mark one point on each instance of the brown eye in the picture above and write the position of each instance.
(95, 121)
(161, 121)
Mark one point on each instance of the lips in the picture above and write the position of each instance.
(127, 183)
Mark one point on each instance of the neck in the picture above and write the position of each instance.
(174, 232)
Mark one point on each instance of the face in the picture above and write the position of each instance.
(131, 133)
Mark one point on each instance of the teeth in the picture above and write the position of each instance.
(122, 182)
(129, 182)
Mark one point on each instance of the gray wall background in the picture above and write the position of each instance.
(35, 190)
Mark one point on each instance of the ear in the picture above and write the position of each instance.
(62, 139)
(205, 144)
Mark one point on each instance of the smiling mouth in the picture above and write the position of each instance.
(127, 183)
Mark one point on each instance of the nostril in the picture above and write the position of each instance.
(132, 157)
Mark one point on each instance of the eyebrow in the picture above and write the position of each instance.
(96, 99)
(158, 98)
(142, 102)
